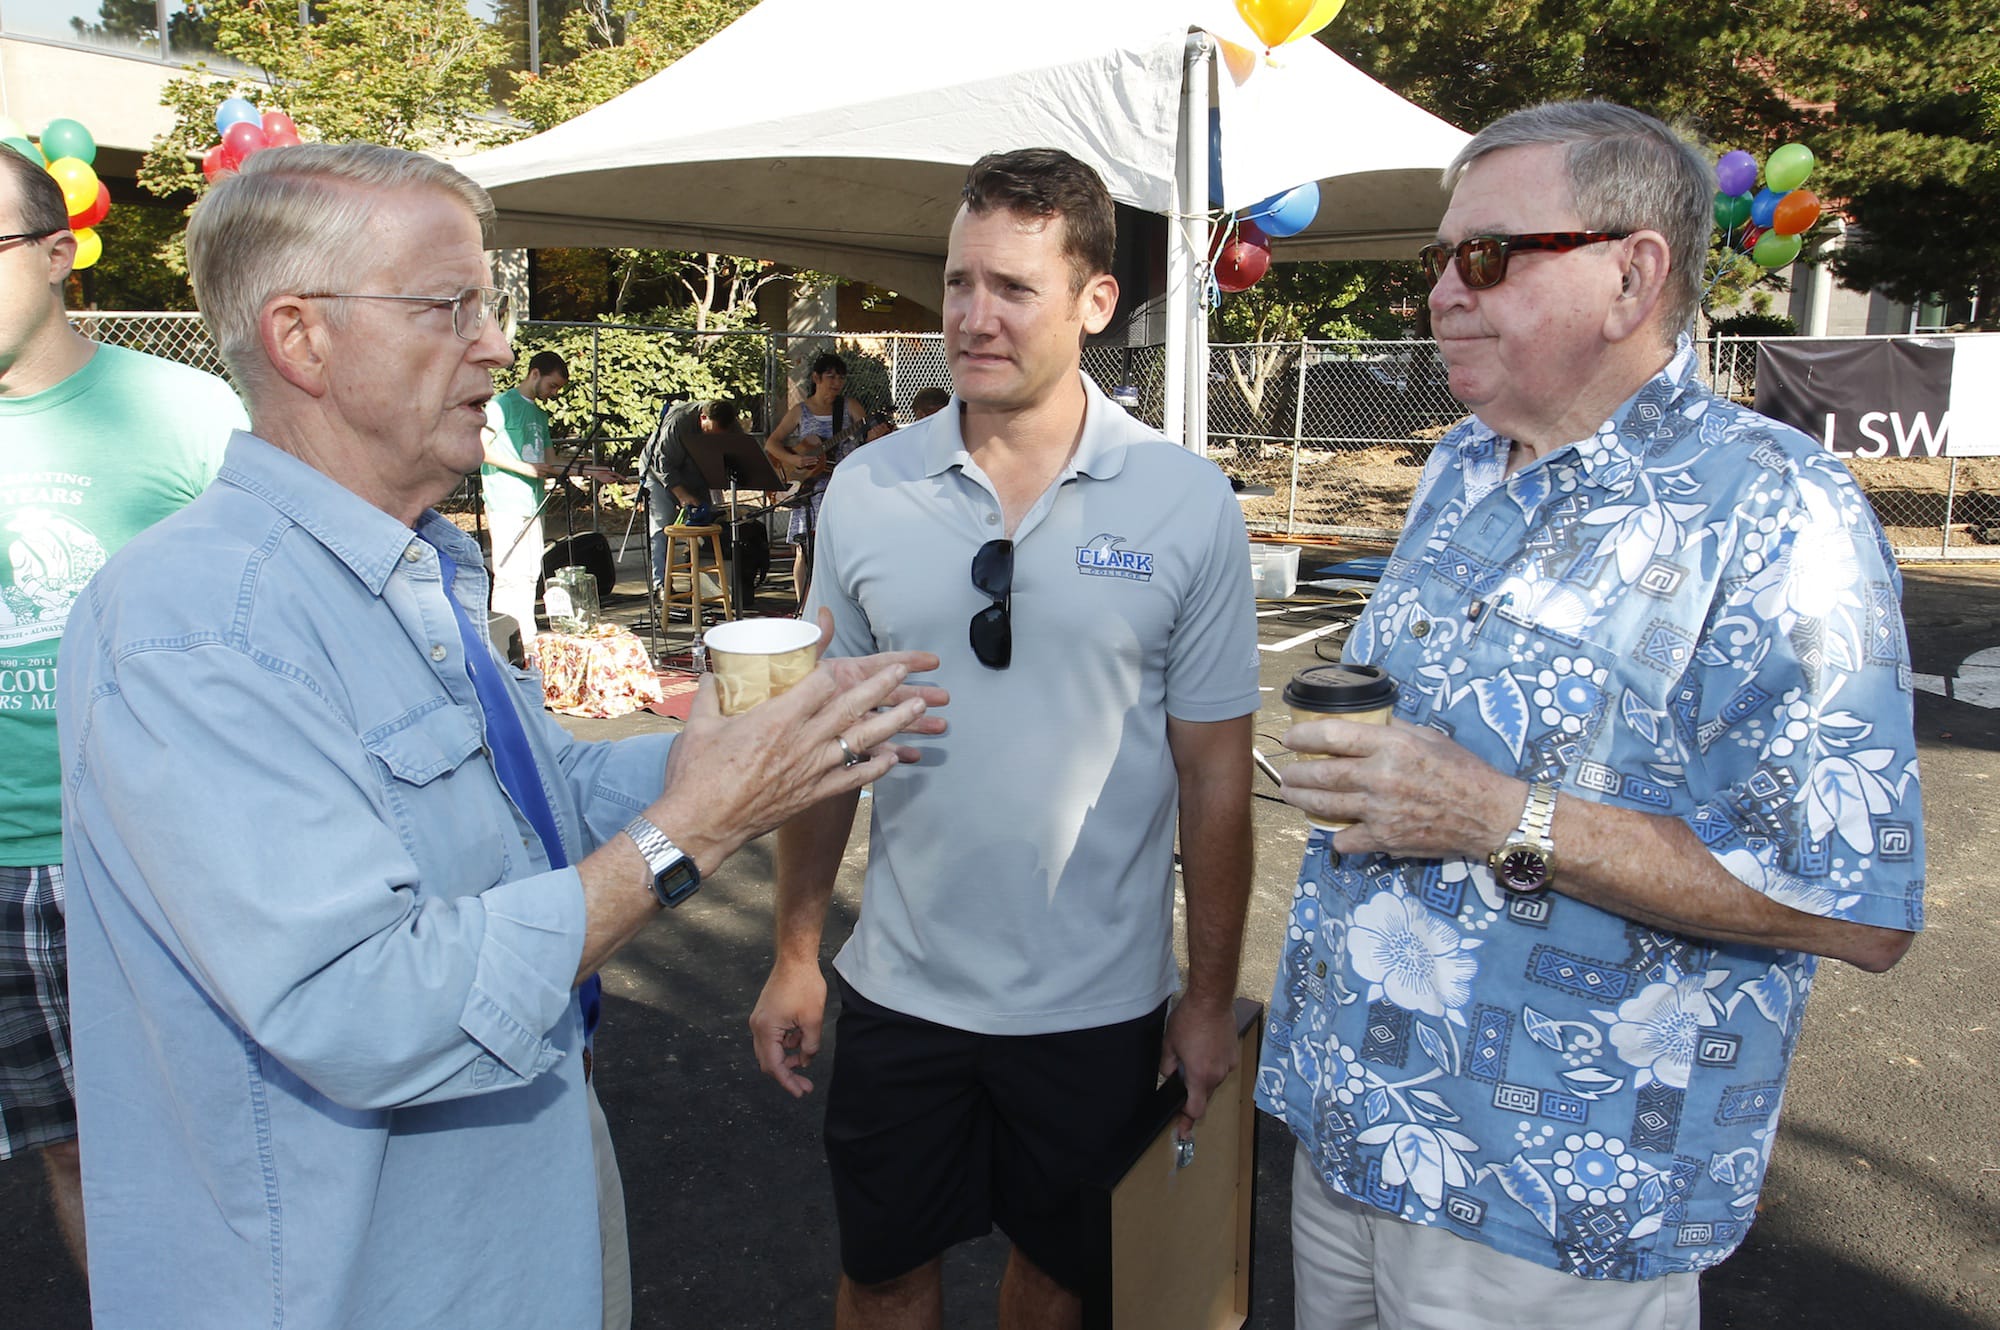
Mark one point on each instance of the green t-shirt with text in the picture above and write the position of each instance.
(524, 435)
(84, 467)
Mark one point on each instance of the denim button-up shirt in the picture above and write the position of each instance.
(320, 967)
(1690, 613)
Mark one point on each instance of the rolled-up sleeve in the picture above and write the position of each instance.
(355, 924)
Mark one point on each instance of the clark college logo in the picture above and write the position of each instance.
(1102, 558)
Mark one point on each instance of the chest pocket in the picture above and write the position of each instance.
(445, 800)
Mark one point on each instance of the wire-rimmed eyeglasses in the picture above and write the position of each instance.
(469, 308)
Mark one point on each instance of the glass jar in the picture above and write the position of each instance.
(570, 597)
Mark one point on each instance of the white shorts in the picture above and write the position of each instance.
(1355, 1267)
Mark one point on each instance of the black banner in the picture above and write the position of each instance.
(1866, 398)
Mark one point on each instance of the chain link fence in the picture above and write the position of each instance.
(1328, 438)
(1931, 507)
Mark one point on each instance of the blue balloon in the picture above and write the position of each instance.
(233, 110)
(1288, 213)
(1215, 157)
(1764, 208)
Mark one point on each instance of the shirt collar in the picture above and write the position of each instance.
(360, 535)
(1108, 430)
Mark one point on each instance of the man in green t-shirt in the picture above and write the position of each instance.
(99, 443)
(517, 449)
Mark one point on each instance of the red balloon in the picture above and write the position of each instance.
(95, 213)
(243, 138)
(1248, 232)
(215, 161)
(280, 130)
(1747, 239)
(1240, 264)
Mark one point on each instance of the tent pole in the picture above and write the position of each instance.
(1186, 404)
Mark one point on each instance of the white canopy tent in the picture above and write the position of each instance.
(836, 139)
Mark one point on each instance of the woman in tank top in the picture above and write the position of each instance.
(803, 448)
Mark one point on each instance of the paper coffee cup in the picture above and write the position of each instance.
(756, 659)
(1360, 693)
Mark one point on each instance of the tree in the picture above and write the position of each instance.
(137, 21)
(616, 50)
(404, 73)
(1897, 97)
(1317, 301)
(609, 49)
(1915, 148)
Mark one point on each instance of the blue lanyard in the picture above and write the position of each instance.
(513, 760)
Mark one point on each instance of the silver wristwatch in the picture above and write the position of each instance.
(675, 876)
(1526, 862)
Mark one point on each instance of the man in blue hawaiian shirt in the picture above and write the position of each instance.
(1653, 759)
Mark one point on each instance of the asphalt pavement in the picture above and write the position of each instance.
(1881, 1209)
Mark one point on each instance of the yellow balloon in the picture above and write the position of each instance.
(89, 248)
(1323, 12)
(78, 181)
(1274, 21)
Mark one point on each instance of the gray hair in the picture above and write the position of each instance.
(292, 220)
(1627, 172)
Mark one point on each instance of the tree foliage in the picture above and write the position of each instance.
(1898, 98)
(607, 48)
(1915, 147)
(635, 365)
(404, 73)
(1312, 301)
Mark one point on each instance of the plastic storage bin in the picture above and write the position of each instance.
(1274, 571)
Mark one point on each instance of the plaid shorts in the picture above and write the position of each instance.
(37, 1086)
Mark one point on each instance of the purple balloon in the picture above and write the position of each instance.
(1736, 172)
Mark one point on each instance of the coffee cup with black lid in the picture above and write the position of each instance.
(1359, 693)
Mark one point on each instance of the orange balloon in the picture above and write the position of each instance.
(1240, 61)
(1795, 212)
(1274, 21)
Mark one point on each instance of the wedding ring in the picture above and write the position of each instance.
(848, 757)
(1183, 1153)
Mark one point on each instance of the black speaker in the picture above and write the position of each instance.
(589, 550)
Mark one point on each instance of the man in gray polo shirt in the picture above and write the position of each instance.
(1003, 1009)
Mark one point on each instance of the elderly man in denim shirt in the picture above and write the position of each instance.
(1654, 758)
(336, 876)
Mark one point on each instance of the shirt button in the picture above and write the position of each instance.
(1421, 628)
(438, 651)
(993, 519)
(410, 554)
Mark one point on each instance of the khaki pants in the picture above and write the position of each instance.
(1358, 1268)
(611, 1221)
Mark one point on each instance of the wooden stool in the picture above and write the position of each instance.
(692, 537)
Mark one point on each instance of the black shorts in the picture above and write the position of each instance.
(935, 1135)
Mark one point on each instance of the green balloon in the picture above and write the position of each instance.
(1787, 168)
(1774, 250)
(26, 149)
(68, 138)
(1731, 210)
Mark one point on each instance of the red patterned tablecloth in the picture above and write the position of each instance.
(603, 673)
